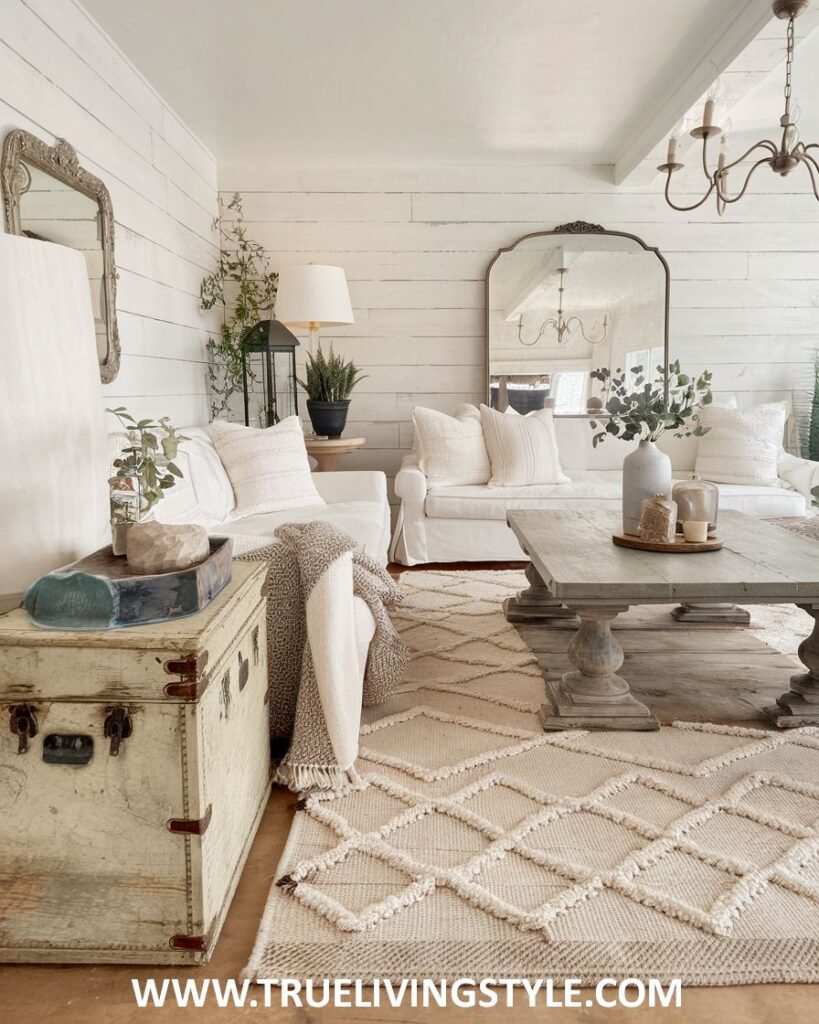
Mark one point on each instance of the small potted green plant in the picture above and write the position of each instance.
(642, 409)
(143, 472)
(329, 381)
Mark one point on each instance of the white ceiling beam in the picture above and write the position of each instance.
(532, 284)
(737, 33)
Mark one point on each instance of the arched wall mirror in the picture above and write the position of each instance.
(562, 303)
(48, 195)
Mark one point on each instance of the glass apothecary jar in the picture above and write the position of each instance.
(697, 500)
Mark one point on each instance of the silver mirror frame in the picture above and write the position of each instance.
(62, 163)
(579, 227)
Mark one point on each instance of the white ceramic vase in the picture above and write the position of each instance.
(646, 472)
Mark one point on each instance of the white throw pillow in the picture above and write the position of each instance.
(268, 468)
(742, 446)
(522, 449)
(451, 450)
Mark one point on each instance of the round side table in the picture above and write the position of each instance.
(327, 451)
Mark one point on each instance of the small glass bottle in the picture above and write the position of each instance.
(658, 519)
(698, 501)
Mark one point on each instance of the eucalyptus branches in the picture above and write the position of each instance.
(149, 456)
(641, 408)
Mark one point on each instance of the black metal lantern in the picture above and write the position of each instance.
(269, 371)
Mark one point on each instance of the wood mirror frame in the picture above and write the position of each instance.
(61, 162)
(579, 227)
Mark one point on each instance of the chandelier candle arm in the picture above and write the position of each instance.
(790, 152)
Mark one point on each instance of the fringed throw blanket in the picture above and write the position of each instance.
(316, 687)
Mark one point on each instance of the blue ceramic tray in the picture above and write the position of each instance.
(98, 592)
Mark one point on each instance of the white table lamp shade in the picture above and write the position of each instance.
(53, 488)
(313, 294)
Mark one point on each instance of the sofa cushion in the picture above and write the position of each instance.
(361, 520)
(598, 491)
(211, 483)
(522, 449)
(268, 468)
(451, 449)
(761, 501)
(593, 491)
(204, 494)
(742, 445)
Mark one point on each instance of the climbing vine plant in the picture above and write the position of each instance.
(244, 287)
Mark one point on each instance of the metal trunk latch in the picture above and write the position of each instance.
(23, 724)
(118, 727)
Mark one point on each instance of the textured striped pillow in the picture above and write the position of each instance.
(451, 451)
(742, 446)
(522, 449)
(268, 469)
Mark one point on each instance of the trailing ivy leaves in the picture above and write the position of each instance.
(638, 407)
(330, 378)
(245, 288)
(154, 469)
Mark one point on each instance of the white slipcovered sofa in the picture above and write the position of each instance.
(468, 523)
(356, 504)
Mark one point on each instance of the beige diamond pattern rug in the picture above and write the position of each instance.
(476, 845)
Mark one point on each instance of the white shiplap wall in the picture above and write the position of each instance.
(61, 76)
(416, 244)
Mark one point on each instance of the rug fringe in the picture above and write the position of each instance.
(301, 778)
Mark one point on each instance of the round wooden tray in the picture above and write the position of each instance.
(679, 546)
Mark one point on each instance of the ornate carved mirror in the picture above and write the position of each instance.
(47, 195)
(562, 303)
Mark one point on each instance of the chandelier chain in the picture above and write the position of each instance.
(789, 66)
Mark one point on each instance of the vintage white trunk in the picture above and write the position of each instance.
(132, 857)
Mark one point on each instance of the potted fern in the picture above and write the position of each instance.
(329, 381)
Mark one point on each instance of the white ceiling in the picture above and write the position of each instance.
(318, 82)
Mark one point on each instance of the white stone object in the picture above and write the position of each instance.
(158, 547)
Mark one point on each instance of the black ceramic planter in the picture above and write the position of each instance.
(328, 418)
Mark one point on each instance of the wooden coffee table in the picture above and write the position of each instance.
(577, 570)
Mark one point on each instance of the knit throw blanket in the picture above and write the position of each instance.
(316, 689)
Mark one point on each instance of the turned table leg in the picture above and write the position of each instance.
(536, 603)
(594, 696)
(726, 614)
(800, 705)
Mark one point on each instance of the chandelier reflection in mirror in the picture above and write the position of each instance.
(564, 328)
(781, 157)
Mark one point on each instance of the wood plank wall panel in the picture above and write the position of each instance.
(61, 76)
(415, 243)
